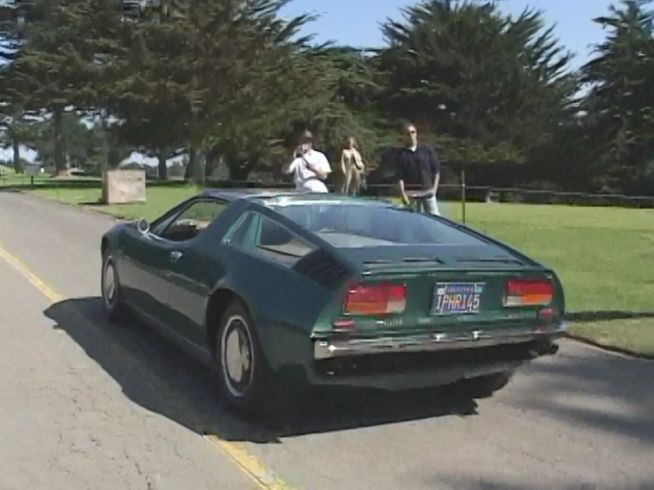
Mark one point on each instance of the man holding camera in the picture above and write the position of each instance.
(309, 167)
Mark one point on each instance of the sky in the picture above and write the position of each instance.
(356, 22)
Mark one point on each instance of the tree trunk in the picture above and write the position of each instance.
(114, 154)
(163, 168)
(239, 170)
(105, 160)
(190, 168)
(59, 157)
(200, 168)
(213, 160)
(18, 166)
(210, 168)
(195, 171)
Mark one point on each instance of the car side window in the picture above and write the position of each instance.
(193, 220)
(258, 233)
(238, 234)
(275, 239)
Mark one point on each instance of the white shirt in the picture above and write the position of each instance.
(305, 179)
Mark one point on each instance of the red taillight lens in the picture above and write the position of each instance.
(528, 292)
(376, 299)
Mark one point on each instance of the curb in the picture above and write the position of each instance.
(79, 207)
(610, 348)
(606, 316)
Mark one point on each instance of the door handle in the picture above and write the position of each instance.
(175, 255)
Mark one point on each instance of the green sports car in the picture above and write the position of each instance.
(288, 290)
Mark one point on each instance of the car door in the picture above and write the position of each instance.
(144, 277)
(146, 261)
(187, 268)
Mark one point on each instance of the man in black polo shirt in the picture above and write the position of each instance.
(418, 173)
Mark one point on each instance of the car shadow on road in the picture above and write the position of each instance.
(601, 391)
(161, 378)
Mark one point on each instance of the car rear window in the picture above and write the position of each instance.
(348, 225)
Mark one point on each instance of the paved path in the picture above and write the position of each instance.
(86, 405)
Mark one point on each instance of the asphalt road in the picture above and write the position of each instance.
(88, 405)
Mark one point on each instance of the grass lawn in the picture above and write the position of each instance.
(9, 177)
(630, 335)
(605, 256)
(159, 200)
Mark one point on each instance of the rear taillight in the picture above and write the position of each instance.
(376, 299)
(528, 292)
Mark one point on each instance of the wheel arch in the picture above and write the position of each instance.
(111, 238)
(218, 301)
(104, 244)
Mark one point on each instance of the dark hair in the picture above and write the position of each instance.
(404, 125)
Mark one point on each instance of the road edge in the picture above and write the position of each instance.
(610, 348)
(79, 207)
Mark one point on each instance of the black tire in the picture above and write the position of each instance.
(244, 377)
(112, 300)
(485, 386)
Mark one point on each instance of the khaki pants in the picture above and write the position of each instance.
(427, 205)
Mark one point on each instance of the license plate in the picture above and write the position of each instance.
(457, 298)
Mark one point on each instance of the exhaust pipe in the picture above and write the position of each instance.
(544, 349)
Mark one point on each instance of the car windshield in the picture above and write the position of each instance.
(354, 225)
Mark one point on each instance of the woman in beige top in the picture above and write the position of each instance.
(352, 167)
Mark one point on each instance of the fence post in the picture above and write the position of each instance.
(463, 196)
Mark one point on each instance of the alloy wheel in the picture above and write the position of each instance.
(237, 359)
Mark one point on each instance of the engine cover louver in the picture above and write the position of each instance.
(320, 267)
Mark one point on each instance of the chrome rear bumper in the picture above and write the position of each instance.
(330, 349)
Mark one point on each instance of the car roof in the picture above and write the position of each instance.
(245, 193)
(286, 196)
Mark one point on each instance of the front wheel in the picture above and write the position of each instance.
(111, 290)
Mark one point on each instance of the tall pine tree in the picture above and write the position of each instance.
(66, 60)
(620, 103)
(487, 85)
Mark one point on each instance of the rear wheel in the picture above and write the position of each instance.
(111, 290)
(485, 386)
(243, 375)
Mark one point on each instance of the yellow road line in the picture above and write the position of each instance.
(249, 464)
(25, 271)
(237, 453)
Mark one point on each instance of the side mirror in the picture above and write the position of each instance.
(143, 226)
